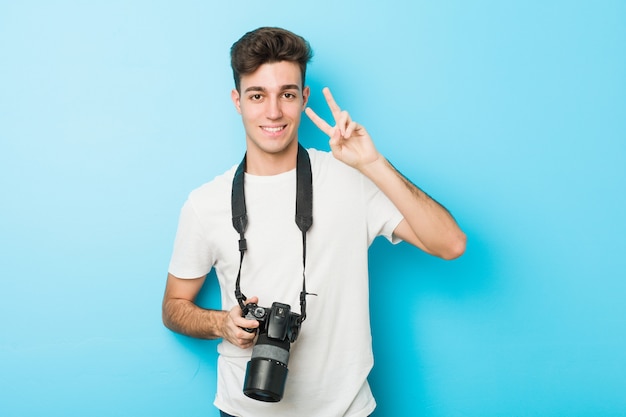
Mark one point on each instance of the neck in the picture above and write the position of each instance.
(264, 163)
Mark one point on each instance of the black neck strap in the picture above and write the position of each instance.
(304, 217)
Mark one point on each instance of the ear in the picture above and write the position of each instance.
(236, 98)
(306, 92)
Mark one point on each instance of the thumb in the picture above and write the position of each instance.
(252, 300)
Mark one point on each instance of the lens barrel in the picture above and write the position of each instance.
(266, 372)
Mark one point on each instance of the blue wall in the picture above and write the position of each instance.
(512, 114)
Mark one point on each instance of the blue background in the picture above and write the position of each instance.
(511, 114)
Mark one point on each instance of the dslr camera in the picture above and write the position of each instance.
(266, 372)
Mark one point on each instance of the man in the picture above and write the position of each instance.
(357, 195)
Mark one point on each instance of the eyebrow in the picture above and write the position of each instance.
(283, 88)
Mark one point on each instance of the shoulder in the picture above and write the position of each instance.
(214, 190)
(320, 157)
(324, 160)
(325, 165)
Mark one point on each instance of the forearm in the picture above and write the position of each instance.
(184, 317)
(431, 224)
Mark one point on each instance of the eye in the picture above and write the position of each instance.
(289, 96)
(256, 97)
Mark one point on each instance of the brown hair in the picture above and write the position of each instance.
(268, 45)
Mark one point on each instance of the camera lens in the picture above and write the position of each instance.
(267, 370)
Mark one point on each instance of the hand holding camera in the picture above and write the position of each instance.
(232, 325)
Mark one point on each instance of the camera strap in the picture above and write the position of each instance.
(304, 218)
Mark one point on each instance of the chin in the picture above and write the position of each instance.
(274, 146)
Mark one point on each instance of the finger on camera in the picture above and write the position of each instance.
(252, 300)
(248, 324)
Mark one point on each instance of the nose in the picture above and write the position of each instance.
(274, 110)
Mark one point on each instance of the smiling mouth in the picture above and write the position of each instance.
(273, 129)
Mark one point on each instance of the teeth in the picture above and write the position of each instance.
(273, 129)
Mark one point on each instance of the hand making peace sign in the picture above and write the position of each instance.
(349, 141)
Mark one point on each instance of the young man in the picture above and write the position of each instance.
(357, 195)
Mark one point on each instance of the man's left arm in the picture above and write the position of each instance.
(426, 224)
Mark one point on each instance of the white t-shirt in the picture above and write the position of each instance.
(330, 361)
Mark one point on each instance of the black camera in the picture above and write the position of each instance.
(266, 372)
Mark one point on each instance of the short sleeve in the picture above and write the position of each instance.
(382, 215)
(191, 257)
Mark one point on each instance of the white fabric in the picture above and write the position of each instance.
(332, 357)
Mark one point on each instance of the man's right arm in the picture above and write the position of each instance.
(182, 315)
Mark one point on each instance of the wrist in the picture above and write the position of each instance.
(222, 323)
(373, 168)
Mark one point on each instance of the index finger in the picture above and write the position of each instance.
(241, 321)
(318, 121)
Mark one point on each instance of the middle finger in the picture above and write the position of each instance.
(332, 104)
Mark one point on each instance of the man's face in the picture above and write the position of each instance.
(271, 102)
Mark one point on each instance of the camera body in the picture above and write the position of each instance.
(278, 322)
(266, 372)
